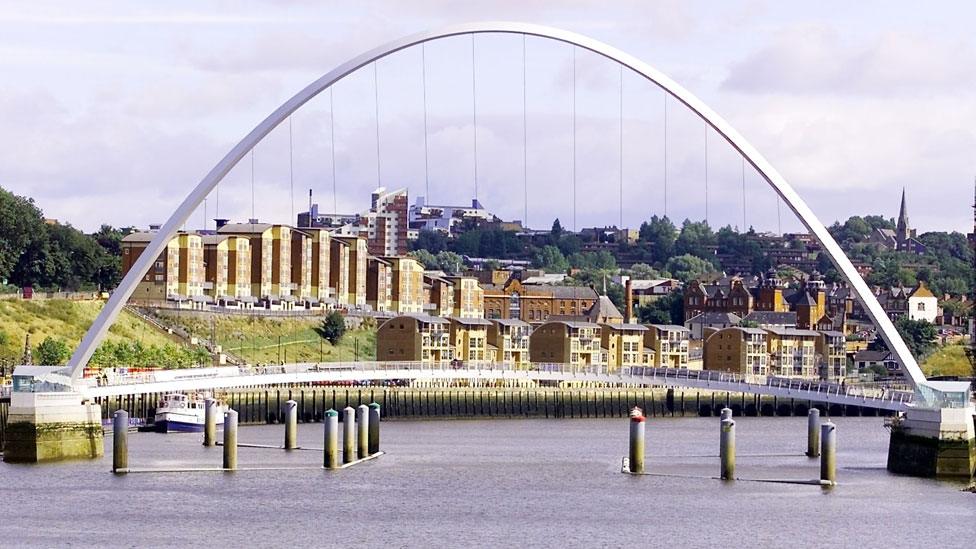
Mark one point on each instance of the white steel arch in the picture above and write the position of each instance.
(843, 264)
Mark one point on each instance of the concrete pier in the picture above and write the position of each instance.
(291, 425)
(828, 452)
(637, 441)
(813, 433)
(330, 459)
(727, 449)
(230, 439)
(52, 426)
(362, 430)
(934, 443)
(373, 445)
(348, 434)
(209, 422)
(120, 442)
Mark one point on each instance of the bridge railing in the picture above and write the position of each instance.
(658, 375)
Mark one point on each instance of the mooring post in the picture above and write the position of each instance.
(828, 452)
(726, 413)
(362, 430)
(331, 459)
(636, 440)
(348, 434)
(374, 428)
(291, 425)
(813, 433)
(209, 422)
(230, 439)
(727, 449)
(120, 442)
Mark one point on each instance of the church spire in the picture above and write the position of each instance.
(902, 227)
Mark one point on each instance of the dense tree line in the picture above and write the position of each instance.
(54, 256)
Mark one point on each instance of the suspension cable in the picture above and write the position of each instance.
(621, 146)
(335, 199)
(474, 117)
(525, 144)
(706, 173)
(665, 153)
(291, 168)
(743, 194)
(376, 102)
(574, 138)
(423, 62)
(252, 185)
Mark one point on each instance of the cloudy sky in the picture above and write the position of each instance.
(112, 112)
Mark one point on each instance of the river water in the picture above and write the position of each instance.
(453, 483)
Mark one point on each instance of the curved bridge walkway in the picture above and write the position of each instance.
(230, 377)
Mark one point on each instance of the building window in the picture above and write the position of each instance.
(921, 306)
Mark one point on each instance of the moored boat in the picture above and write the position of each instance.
(184, 413)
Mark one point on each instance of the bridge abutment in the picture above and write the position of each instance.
(938, 442)
(52, 426)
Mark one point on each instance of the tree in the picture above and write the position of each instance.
(449, 262)
(333, 327)
(432, 241)
(661, 234)
(669, 309)
(696, 238)
(689, 267)
(428, 259)
(20, 226)
(643, 271)
(51, 352)
(557, 230)
(918, 335)
(551, 260)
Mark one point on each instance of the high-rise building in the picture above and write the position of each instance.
(384, 225)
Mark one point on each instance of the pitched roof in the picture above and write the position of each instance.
(871, 356)
(772, 318)
(713, 317)
(622, 327)
(470, 321)
(669, 327)
(509, 322)
(603, 308)
(791, 331)
(573, 292)
(921, 291)
(244, 228)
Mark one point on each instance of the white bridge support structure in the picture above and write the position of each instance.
(844, 266)
(232, 377)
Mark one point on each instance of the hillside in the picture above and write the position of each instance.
(67, 320)
(947, 360)
(256, 339)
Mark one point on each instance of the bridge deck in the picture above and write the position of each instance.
(241, 377)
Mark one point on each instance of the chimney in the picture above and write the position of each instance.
(629, 305)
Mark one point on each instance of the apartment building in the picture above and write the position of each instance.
(439, 295)
(356, 269)
(270, 247)
(624, 345)
(792, 352)
(407, 285)
(379, 282)
(162, 280)
(227, 268)
(469, 338)
(339, 271)
(301, 265)
(831, 349)
(415, 337)
(510, 339)
(567, 342)
(737, 350)
(669, 343)
(469, 297)
(729, 296)
(320, 267)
